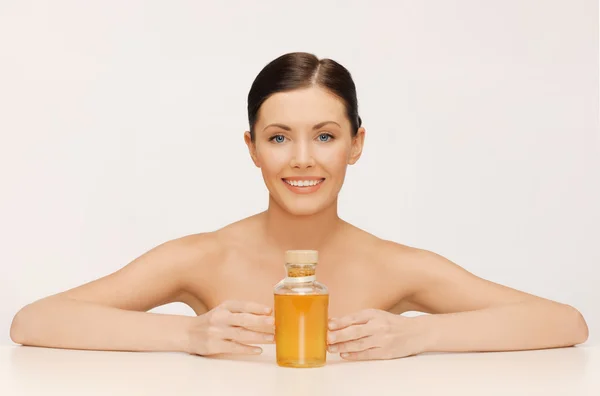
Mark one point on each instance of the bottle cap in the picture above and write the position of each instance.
(301, 256)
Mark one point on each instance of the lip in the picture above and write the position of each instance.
(303, 190)
(303, 178)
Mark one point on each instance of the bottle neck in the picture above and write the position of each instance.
(300, 273)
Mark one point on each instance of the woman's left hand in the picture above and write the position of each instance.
(376, 334)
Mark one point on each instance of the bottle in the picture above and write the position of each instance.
(301, 313)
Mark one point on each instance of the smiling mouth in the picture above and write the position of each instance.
(304, 183)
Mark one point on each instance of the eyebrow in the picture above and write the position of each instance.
(287, 128)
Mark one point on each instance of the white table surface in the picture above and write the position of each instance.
(44, 371)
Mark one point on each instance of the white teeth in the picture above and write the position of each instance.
(303, 183)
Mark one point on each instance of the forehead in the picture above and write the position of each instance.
(302, 106)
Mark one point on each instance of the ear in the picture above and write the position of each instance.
(251, 148)
(358, 142)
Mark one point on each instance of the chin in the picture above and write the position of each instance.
(304, 207)
(303, 210)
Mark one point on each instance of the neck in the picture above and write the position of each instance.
(287, 231)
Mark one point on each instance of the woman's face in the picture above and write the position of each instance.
(303, 144)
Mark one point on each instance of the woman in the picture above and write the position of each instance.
(304, 132)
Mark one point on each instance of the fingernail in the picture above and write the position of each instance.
(267, 310)
(332, 325)
(270, 320)
(257, 350)
(331, 338)
(269, 337)
(344, 355)
(333, 348)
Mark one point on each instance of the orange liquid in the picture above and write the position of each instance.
(301, 330)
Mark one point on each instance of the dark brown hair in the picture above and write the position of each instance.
(301, 70)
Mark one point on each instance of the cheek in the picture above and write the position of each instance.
(335, 160)
(272, 161)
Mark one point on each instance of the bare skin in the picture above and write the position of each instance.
(227, 276)
(250, 267)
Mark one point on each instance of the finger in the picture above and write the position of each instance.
(354, 345)
(244, 336)
(262, 329)
(233, 347)
(369, 354)
(349, 333)
(252, 322)
(247, 307)
(361, 317)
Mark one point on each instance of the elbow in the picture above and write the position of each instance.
(580, 331)
(18, 327)
(24, 325)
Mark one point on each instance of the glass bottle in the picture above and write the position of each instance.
(301, 313)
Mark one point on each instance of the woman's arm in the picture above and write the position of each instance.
(467, 314)
(505, 327)
(473, 314)
(63, 322)
(108, 313)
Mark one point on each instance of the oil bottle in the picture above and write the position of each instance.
(301, 313)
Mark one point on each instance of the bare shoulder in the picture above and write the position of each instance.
(433, 283)
(203, 252)
(402, 269)
(154, 278)
(193, 249)
(236, 234)
(385, 252)
(410, 258)
(211, 247)
(416, 266)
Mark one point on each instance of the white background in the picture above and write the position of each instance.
(122, 127)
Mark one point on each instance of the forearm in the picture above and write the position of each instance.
(519, 326)
(67, 323)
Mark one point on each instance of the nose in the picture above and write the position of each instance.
(302, 156)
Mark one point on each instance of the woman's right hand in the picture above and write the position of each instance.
(232, 328)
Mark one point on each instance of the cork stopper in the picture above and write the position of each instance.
(301, 263)
(301, 256)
